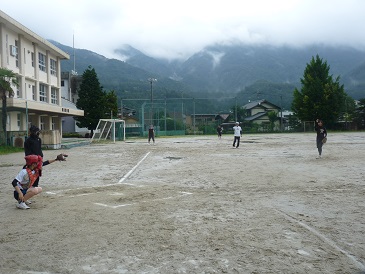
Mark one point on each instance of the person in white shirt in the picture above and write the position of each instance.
(237, 134)
(24, 182)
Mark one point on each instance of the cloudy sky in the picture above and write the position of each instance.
(179, 28)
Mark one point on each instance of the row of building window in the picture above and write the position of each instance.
(42, 122)
(41, 60)
(43, 94)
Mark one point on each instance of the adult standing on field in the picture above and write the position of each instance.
(321, 136)
(237, 134)
(219, 132)
(33, 146)
(151, 134)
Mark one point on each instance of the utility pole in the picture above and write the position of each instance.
(151, 80)
(281, 112)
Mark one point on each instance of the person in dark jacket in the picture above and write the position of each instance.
(33, 146)
(321, 136)
(219, 132)
(151, 134)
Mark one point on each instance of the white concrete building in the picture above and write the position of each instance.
(37, 63)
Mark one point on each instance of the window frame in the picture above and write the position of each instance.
(54, 95)
(42, 62)
(42, 93)
(53, 67)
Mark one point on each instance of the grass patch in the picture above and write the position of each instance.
(9, 149)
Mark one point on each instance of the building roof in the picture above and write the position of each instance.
(27, 33)
(221, 116)
(256, 116)
(253, 104)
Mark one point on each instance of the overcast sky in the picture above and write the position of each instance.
(179, 28)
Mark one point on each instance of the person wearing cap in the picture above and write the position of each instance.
(33, 144)
(24, 182)
(237, 134)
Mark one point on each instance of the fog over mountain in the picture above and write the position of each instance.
(221, 70)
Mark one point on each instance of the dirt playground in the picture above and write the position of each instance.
(191, 205)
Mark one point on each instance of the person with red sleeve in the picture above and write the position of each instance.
(24, 182)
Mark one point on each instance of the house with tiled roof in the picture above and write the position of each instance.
(258, 112)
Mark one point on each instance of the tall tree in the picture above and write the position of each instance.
(240, 116)
(7, 80)
(91, 101)
(111, 103)
(273, 117)
(321, 96)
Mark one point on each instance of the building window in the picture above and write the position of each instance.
(54, 96)
(17, 92)
(53, 67)
(18, 118)
(62, 83)
(42, 93)
(33, 92)
(42, 118)
(53, 123)
(42, 61)
(32, 57)
(16, 54)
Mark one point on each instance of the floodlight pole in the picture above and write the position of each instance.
(151, 80)
(281, 112)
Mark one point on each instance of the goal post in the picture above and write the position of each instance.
(109, 130)
(308, 126)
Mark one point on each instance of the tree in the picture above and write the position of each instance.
(92, 100)
(360, 114)
(321, 96)
(111, 103)
(273, 117)
(7, 80)
(241, 114)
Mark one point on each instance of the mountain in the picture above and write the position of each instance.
(220, 71)
(232, 68)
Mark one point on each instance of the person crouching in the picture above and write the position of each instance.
(23, 182)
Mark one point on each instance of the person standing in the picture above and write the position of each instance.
(321, 136)
(219, 132)
(237, 134)
(151, 134)
(33, 146)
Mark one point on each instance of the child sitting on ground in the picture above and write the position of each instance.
(23, 182)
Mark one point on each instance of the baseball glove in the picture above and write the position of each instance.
(61, 157)
(324, 140)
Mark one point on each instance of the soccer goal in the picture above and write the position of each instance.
(109, 130)
(308, 126)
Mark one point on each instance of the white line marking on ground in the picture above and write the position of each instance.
(160, 199)
(324, 238)
(104, 205)
(120, 181)
(131, 171)
(84, 194)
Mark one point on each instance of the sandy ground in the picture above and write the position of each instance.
(192, 205)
